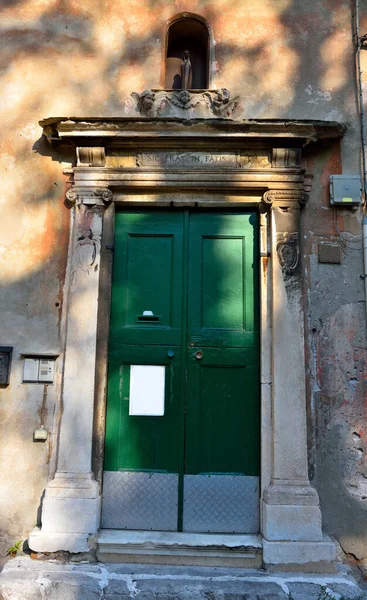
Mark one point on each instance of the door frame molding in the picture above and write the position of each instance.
(127, 162)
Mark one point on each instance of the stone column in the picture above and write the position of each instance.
(71, 506)
(291, 512)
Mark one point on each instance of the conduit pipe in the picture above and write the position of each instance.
(364, 243)
(364, 175)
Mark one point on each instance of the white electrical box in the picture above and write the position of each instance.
(38, 370)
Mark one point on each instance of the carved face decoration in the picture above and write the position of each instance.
(184, 97)
(147, 100)
(223, 95)
(186, 55)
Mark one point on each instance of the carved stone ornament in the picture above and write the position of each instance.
(89, 196)
(285, 196)
(90, 157)
(184, 103)
(86, 249)
(287, 249)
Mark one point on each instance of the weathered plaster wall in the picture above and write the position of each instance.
(287, 59)
(336, 360)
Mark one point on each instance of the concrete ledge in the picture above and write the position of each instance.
(152, 547)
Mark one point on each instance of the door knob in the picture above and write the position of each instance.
(198, 355)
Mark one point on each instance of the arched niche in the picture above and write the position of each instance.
(187, 33)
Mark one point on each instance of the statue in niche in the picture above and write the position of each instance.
(186, 71)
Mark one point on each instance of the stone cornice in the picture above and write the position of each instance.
(103, 131)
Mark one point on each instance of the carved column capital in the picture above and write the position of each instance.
(285, 197)
(89, 196)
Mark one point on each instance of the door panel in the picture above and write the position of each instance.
(222, 412)
(221, 311)
(147, 278)
(138, 443)
(222, 296)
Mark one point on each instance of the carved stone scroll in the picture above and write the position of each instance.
(89, 196)
(285, 197)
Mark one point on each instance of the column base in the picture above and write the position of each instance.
(292, 513)
(43, 541)
(316, 557)
(70, 514)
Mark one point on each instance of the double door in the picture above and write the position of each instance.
(182, 434)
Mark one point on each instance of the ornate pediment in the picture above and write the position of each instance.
(216, 104)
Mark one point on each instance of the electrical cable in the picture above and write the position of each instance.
(344, 241)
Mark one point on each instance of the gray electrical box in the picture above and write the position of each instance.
(345, 190)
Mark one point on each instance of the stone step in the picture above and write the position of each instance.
(175, 548)
(26, 579)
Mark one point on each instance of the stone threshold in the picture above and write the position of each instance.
(175, 548)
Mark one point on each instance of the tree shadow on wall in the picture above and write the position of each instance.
(305, 35)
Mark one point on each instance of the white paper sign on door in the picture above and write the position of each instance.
(147, 390)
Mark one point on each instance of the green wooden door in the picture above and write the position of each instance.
(184, 298)
(220, 486)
